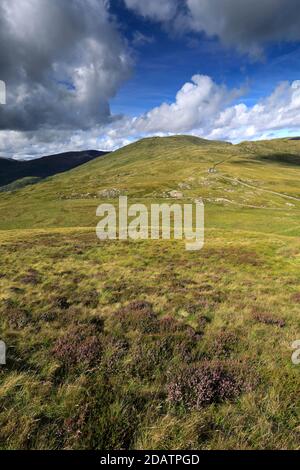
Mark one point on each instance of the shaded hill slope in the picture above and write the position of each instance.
(12, 170)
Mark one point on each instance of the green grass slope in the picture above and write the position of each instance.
(152, 168)
(143, 345)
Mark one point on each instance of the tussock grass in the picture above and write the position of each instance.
(102, 336)
(105, 336)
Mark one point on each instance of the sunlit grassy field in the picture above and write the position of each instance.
(143, 345)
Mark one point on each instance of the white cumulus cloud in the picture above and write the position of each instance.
(201, 107)
(159, 10)
(210, 110)
(196, 105)
(280, 110)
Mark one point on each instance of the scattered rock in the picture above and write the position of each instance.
(176, 194)
(184, 186)
(110, 193)
(223, 200)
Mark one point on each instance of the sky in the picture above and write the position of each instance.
(100, 74)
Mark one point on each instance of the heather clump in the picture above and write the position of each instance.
(223, 343)
(79, 345)
(138, 315)
(16, 316)
(268, 319)
(197, 386)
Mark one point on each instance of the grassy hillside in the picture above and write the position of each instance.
(143, 345)
(151, 168)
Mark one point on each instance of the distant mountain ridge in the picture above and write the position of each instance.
(12, 170)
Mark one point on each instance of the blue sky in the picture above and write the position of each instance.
(167, 58)
(170, 59)
(107, 72)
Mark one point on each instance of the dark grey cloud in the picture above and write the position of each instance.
(62, 60)
(245, 24)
